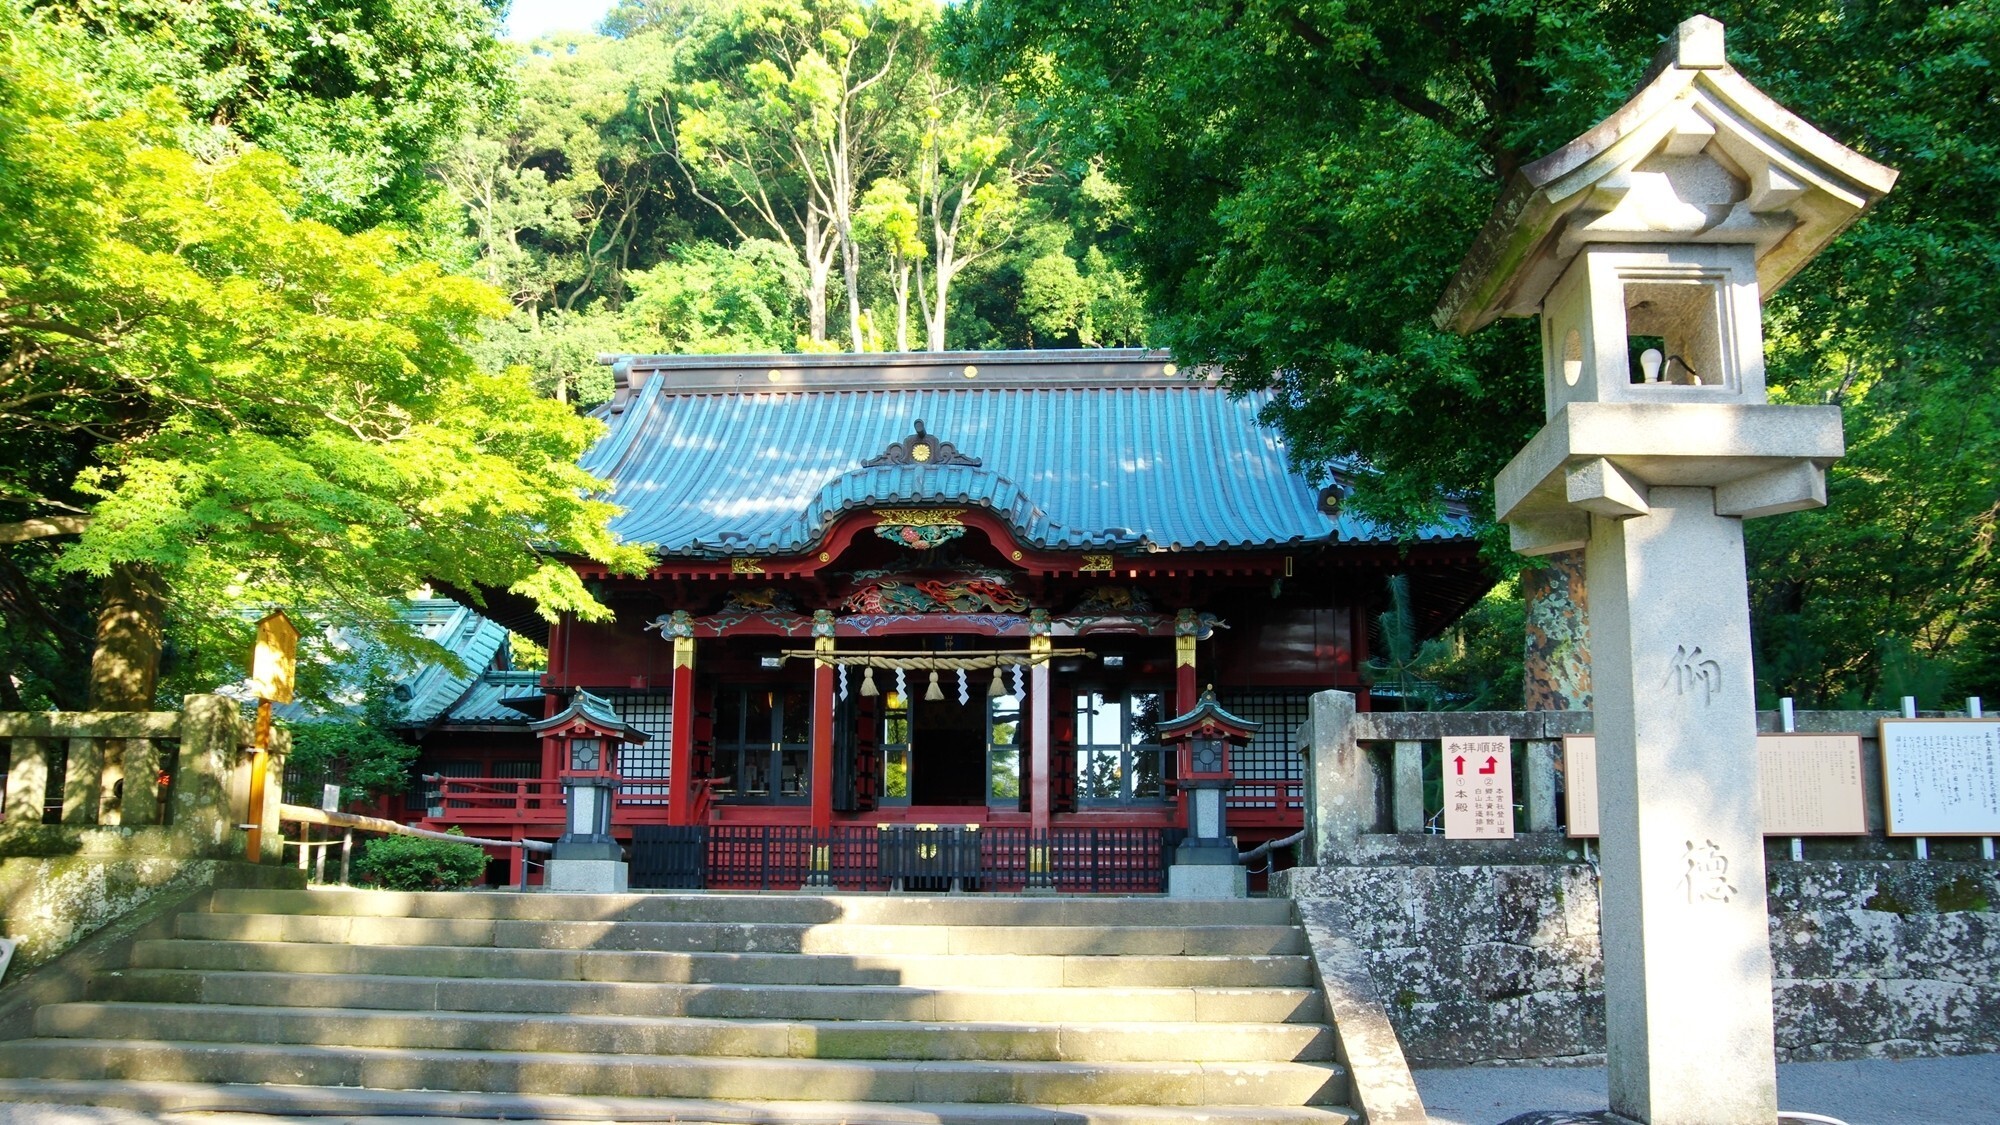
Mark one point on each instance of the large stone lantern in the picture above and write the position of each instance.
(1646, 246)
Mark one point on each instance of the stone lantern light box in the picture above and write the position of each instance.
(1646, 246)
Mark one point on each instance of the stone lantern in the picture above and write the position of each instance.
(1646, 247)
(585, 739)
(1205, 864)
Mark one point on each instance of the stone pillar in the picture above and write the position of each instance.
(141, 804)
(27, 782)
(1407, 786)
(210, 740)
(1686, 981)
(83, 782)
(1541, 781)
(272, 843)
(680, 739)
(1340, 783)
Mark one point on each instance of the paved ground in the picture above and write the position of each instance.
(1960, 1091)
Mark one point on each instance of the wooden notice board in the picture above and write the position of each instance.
(1811, 784)
(1941, 777)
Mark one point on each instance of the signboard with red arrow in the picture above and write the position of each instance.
(1478, 788)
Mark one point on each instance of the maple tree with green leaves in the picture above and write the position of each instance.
(214, 405)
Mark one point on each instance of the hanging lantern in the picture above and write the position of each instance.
(868, 680)
(996, 687)
(934, 693)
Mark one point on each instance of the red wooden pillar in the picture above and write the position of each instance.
(1039, 707)
(1186, 690)
(822, 739)
(680, 739)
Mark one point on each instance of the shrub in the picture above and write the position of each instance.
(413, 863)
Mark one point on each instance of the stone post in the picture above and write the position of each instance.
(1541, 779)
(1684, 856)
(271, 846)
(1407, 786)
(210, 740)
(140, 805)
(83, 782)
(27, 783)
(1340, 781)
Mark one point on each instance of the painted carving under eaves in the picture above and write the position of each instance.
(970, 595)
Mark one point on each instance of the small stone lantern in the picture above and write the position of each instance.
(586, 738)
(1206, 865)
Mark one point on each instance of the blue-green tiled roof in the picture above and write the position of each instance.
(474, 640)
(750, 455)
(490, 701)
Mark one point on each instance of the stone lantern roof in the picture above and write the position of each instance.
(1698, 155)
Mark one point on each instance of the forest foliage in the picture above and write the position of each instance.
(1305, 177)
(304, 299)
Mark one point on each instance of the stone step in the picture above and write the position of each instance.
(721, 1001)
(604, 1035)
(916, 970)
(398, 1107)
(748, 937)
(797, 909)
(986, 1080)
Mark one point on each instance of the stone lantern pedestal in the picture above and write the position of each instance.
(1645, 247)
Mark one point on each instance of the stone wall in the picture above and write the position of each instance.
(1479, 964)
(51, 903)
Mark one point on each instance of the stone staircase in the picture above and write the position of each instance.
(704, 1008)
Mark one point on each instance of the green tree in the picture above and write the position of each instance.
(970, 170)
(887, 222)
(714, 299)
(220, 405)
(359, 751)
(361, 96)
(1305, 178)
(782, 118)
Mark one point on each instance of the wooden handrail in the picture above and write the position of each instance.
(306, 814)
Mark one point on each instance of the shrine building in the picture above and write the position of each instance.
(938, 589)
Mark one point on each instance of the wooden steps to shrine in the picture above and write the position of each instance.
(704, 1007)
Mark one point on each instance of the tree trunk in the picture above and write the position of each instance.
(850, 263)
(125, 669)
(934, 316)
(819, 266)
(1557, 668)
(902, 284)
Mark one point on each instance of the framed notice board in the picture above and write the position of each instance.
(1941, 777)
(1810, 783)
